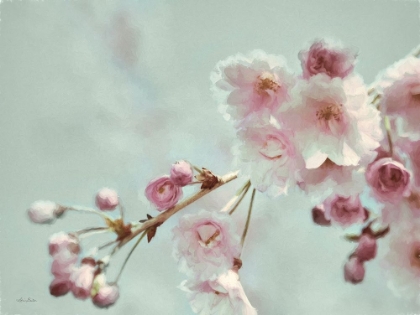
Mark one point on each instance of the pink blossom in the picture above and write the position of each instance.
(255, 83)
(107, 199)
(163, 193)
(222, 295)
(354, 271)
(344, 211)
(205, 243)
(323, 57)
(400, 86)
(63, 263)
(412, 148)
(318, 216)
(388, 179)
(367, 247)
(43, 211)
(402, 262)
(82, 279)
(63, 241)
(181, 173)
(331, 179)
(60, 286)
(104, 294)
(331, 119)
(267, 154)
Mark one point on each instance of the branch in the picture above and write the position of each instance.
(171, 211)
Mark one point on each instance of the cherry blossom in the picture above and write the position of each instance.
(205, 243)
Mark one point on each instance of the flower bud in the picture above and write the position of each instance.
(366, 250)
(81, 281)
(318, 216)
(181, 173)
(106, 296)
(389, 179)
(163, 193)
(331, 60)
(107, 199)
(43, 211)
(354, 271)
(59, 286)
(63, 263)
(63, 241)
(344, 211)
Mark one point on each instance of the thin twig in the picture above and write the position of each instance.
(128, 256)
(90, 231)
(107, 244)
(234, 199)
(248, 219)
(388, 134)
(171, 211)
(86, 209)
(121, 208)
(240, 199)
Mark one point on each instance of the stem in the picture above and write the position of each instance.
(235, 198)
(89, 231)
(196, 168)
(121, 208)
(240, 199)
(106, 245)
(248, 219)
(86, 209)
(388, 134)
(171, 211)
(128, 256)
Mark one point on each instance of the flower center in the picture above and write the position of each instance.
(273, 148)
(266, 82)
(330, 118)
(330, 112)
(208, 235)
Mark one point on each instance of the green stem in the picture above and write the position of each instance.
(129, 254)
(240, 199)
(248, 219)
(86, 209)
(388, 134)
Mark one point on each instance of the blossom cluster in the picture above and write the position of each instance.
(83, 276)
(165, 191)
(354, 150)
(315, 130)
(207, 250)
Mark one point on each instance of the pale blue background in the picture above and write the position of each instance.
(78, 114)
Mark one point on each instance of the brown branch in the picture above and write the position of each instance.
(171, 211)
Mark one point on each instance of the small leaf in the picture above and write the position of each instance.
(151, 233)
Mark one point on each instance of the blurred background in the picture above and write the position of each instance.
(107, 93)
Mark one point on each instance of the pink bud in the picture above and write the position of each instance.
(163, 193)
(63, 241)
(59, 286)
(181, 173)
(106, 296)
(63, 263)
(344, 211)
(318, 216)
(366, 250)
(107, 199)
(323, 57)
(354, 271)
(81, 281)
(43, 211)
(389, 180)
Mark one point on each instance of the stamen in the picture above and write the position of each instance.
(266, 81)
